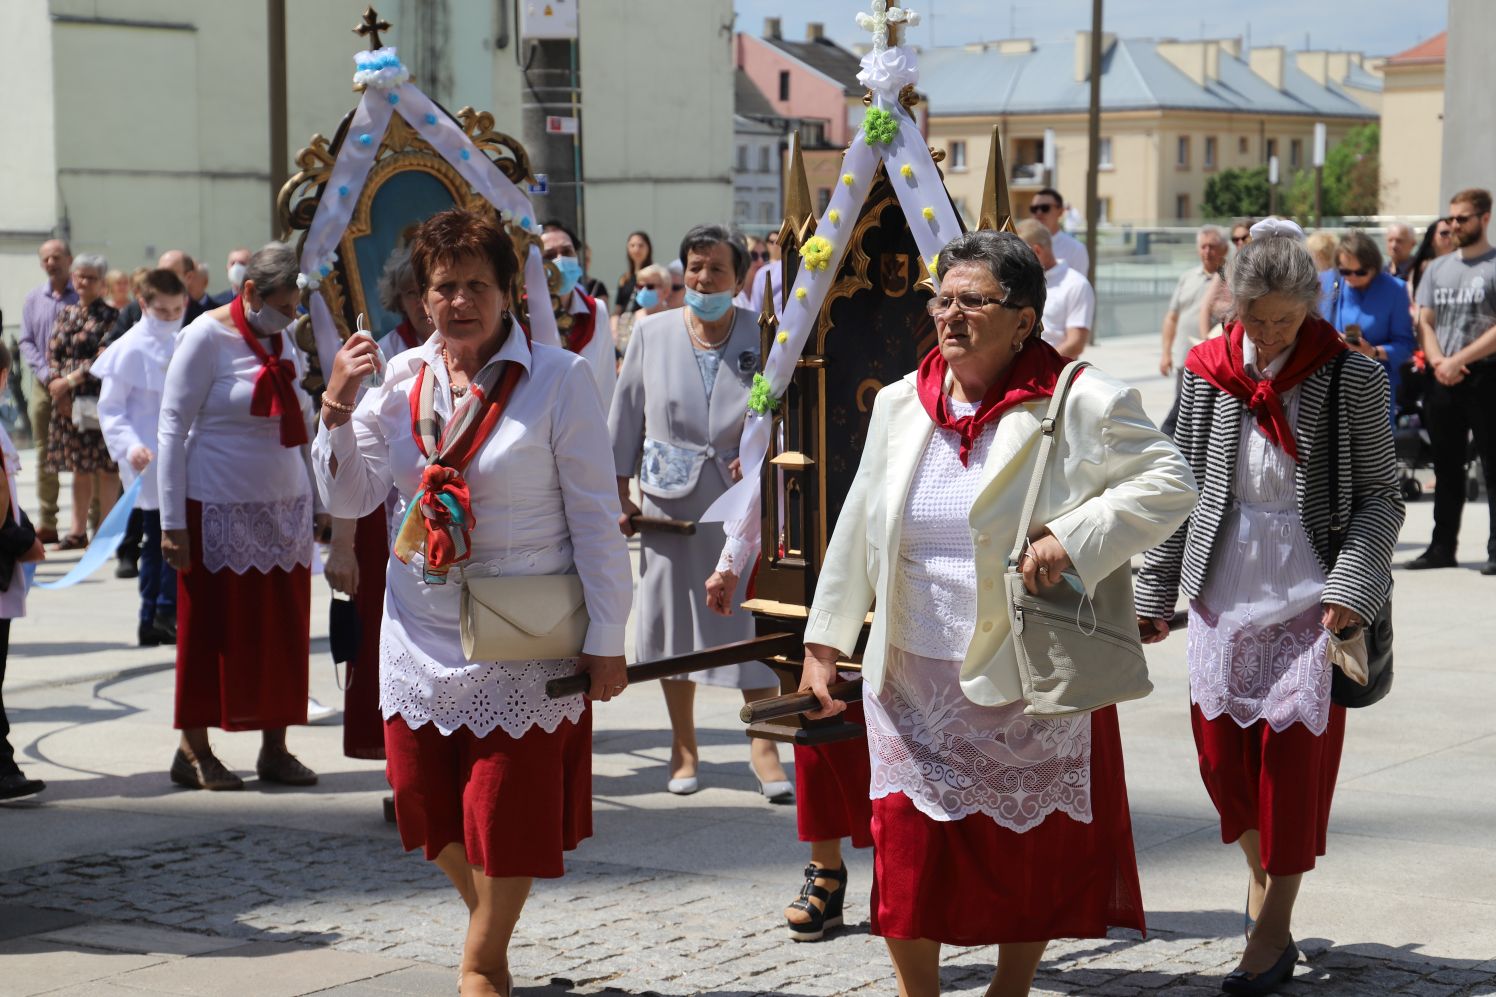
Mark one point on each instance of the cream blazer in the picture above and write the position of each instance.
(1116, 487)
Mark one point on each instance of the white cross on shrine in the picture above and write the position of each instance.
(882, 17)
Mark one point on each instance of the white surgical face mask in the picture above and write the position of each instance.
(161, 327)
(267, 319)
(236, 275)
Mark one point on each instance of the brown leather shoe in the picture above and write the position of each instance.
(47, 534)
(284, 768)
(202, 773)
(73, 541)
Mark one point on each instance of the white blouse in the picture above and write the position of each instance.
(600, 354)
(256, 494)
(544, 501)
(133, 375)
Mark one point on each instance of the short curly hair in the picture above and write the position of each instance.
(455, 234)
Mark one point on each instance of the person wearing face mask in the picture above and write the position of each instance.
(236, 518)
(235, 268)
(675, 422)
(651, 289)
(577, 316)
(133, 372)
(184, 266)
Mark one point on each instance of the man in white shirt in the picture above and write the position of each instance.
(582, 330)
(1069, 299)
(1048, 209)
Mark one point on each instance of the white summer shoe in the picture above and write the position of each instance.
(316, 713)
(779, 791)
(683, 787)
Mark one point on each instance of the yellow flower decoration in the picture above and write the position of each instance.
(929, 214)
(834, 216)
(800, 293)
(816, 253)
(848, 179)
(935, 263)
(906, 171)
(783, 337)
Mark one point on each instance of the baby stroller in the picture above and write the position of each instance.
(1410, 437)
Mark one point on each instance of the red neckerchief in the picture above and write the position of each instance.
(583, 325)
(1032, 375)
(1220, 361)
(407, 334)
(275, 384)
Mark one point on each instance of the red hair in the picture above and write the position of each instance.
(455, 234)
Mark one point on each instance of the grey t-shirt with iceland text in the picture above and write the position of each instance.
(1462, 294)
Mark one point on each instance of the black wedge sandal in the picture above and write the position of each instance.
(829, 914)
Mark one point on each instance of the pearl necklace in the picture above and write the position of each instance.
(702, 344)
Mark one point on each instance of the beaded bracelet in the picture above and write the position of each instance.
(336, 406)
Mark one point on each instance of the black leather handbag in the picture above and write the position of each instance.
(1343, 689)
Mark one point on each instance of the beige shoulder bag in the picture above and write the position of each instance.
(523, 617)
(1075, 653)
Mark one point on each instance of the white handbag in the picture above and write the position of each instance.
(1075, 653)
(523, 617)
(85, 413)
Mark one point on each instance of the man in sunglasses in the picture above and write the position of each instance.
(1048, 209)
(1457, 328)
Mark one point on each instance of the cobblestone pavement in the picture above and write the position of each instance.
(611, 928)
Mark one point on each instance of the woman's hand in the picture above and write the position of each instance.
(38, 552)
(59, 389)
(358, 358)
(139, 457)
(819, 671)
(610, 675)
(719, 590)
(735, 469)
(1151, 631)
(341, 569)
(1337, 617)
(630, 510)
(1362, 347)
(176, 548)
(1043, 562)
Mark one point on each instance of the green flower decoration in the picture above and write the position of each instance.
(879, 126)
(761, 396)
(816, 252)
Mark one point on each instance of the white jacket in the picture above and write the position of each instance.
(1117, 486)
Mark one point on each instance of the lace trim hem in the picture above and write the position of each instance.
(257, 536)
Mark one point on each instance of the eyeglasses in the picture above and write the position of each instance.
(557, 253)
(651, 287)
(1462, 219)
(1441, 233)
(1241, 240)
(758, 257)
(969, 302)
(1042, 209)
(677, 287)
(1362, 272)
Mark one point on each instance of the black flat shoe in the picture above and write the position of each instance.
(829, 914)
(1489, 568)
(203, 773)
(1244, 984)
(167, 627)
(1434, 557)
(126, 569)
(14, 785)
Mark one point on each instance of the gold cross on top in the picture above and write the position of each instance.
(371, 26)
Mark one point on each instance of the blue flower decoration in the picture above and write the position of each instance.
(365, 139)
(394, 98)
(466, 154)
(430, 118)
(524, 222)
(343, 191)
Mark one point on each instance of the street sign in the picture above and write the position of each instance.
(542, 184)
(558, 125)
(548, 19)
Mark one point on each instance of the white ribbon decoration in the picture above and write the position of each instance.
(922, 189)
(350, 172)
(1272, 225)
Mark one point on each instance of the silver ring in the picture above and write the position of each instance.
(1043, 569)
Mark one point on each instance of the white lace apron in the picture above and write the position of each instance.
(257, 536)
(1257, 649)
(949, 756)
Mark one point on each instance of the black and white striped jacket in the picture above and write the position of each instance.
(1369, 501)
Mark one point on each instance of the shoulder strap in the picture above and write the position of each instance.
(1046, 443)
(1332, 404)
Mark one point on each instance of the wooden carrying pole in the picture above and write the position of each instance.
(798, 702)
(735, 653)
(656, 524)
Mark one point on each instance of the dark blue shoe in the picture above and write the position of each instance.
(1245, 984)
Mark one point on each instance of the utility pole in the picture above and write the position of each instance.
(1093, 156)
(279, 155)
(552, 102)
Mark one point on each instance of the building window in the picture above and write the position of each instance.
(1182, 207)
(1210, 152)
(1104, 154)
(1272, 148)
(1296, 152)
(763, 159)
(766, 212)
(1241, 145)
(1182, 155)
(823, 199)
(958, 156)
(740, 211)
(742, 159)
(784, 84)
(1103, 211)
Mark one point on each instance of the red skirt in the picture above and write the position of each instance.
(1279, 784)
(241, 643)
(363, 724)
(831, 788)
(975, 882)
(514, 804)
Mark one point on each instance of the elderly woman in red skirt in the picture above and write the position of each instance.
(989, 826)
(236, 518)
(492, 778)
(1265, 587)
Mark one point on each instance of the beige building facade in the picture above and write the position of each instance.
(1413, 129)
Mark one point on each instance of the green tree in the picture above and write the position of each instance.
(1236, 193)
(1353, 179)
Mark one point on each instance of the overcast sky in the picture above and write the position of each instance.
(1375, 27)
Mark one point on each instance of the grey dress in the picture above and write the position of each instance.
(679, 438)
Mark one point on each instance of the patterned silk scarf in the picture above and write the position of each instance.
(442, 532)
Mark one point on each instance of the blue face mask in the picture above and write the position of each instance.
(571, 272)
(646, 297)
(708, 307)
